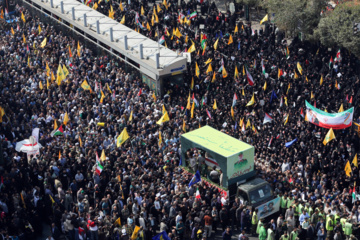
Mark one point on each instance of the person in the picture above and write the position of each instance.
(208, 224)
(321, 234)
(293, 234)
(180, 228)
(214, 175)
(55, 232)
(227, 234)
(254, 222)
(242, 236)
(311, 234)
(270, 233)
(262, 232)
(284, 236)
(330, 226)
(224, 218)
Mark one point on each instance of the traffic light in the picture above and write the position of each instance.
(356, 28)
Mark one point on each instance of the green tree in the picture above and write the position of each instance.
(295, 16)
(336, 27)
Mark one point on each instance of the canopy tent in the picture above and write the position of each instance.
(235, 158)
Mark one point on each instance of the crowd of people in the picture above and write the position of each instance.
(141, 189)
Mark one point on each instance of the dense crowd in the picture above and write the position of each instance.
(141, 184)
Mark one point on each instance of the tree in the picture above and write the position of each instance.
(295, 16)
(336, 28)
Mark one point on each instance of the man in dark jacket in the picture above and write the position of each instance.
(227, 234)
(224, 218)
(311, 232)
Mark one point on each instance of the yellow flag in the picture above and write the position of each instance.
(209, 69)
(95, 6)
(66, 118)
(123, 20)
(148, 26)
(348, 169)
(111, 14)
(248, 124)
(232, 113)
(41, 85)
(28, 61)
(78, 49)
(307, 80)
(216, 44)
(102, 96)
(243, 92)
(329, 136)
(192, 84)
(224, 72)
(177, 33)
(85, 85)
(121, 6)
(165, 4)
(135, 234)
(215, 105)
(103, 156)
(299, 68)
(265, 19)
(295, 75)
(55, 125)
(236, 74)
(184, 126)
(243, 70)
(39, 29)
(12, 31)
(23, 17)
(230, 40)
(60, 74)
(164, 118)
(252, 101)
(197, 70)
(154, 96)
(160, 139)
(131, 116)
(65, 70)
(70, 53)
(188, 105)
(122, 138)
(341, 109)
(2, 14)
(47, 84)
(241, 122)
(208, 61)
(142, 11)
(52, 77)
(286, 119)
(24, 39)
(118, 222)
(47, 70)
(192, 109)
(265, 86)
(321, 80)
(108, 88)
(192, 48)
(354, 161)
(312, 95)
(289, 86)
(236, 29)
(214, 77)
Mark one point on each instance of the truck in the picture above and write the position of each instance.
(235, 159)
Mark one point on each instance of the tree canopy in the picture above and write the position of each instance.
(336, 27)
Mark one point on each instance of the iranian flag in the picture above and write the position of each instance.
(97, 158)
(235, 98)
(331, 62)
(57, 132)
(270, 141)
(193, 15)
(263, 67)
(99, 168)
(267, 118)
(338, 56)
(329, 120)
(197, 196)
(249, 78)
(353, 194)
(302, 112)
(208, 113)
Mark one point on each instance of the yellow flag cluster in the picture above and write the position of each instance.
(164, 118)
